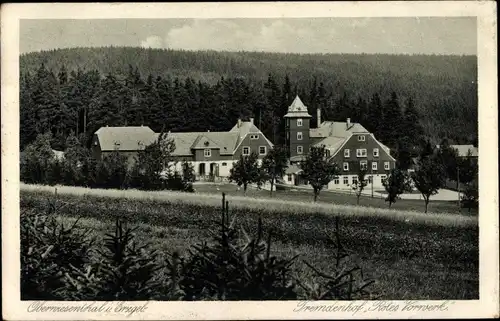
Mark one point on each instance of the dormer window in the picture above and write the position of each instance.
(299, 122)
(206, 143)
(207, 153)
(361, 138)
(117, 145)
(254, 136)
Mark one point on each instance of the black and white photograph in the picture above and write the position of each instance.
(307, 159)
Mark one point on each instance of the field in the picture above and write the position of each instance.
(410, 255)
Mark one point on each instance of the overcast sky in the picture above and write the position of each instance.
(436, 35)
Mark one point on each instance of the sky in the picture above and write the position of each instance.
(408, 35)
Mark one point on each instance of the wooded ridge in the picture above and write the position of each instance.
(398, 97)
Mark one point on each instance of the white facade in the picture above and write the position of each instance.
(220, 168)
(344, 182)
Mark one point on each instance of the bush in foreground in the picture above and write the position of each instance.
(234, 265)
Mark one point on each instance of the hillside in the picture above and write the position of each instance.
(443, 89)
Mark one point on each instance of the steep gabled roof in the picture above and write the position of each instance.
(297, 109)
(130, 139)
(244, 129)
(331, 143)
(124, 138)
(336, 129)
(202, 142)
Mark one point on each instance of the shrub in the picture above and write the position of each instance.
(48, 250)
(235, 265)
(234, 269)
(126, 271)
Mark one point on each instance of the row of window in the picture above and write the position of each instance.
(361, 152)
(354, 180)
(336, 180)
(246, 151)
(364, 165)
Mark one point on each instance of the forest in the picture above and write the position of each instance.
(401, 99)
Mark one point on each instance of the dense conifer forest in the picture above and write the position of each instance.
(402, 99)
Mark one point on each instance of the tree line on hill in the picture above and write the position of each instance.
(83, 101)
(81, 89)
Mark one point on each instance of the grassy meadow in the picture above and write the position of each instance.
(410, 255)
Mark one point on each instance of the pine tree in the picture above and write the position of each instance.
(391, 127)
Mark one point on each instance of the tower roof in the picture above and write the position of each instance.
(297, 109)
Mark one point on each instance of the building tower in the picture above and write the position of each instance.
(297, 121)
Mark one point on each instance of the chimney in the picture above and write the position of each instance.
(318, 117)
(348, 123)
(239, 122)
(251, 120)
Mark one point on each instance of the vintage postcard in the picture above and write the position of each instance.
(280, 160)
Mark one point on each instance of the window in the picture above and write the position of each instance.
(361, 138)
(346, 180)
(354, 180)
(289, 177)
(246, 151)
(224, 164)
(300, 150)
(370, 179)
(262, 150)
(299, 122)
(254, 136)
(387, 166)
(299, 136)
(363, 165)
(207, 153)
(383, 178)
(361, 152)
(374, 166)
(336, 181)
(347, 153)
(346, 166)
(375, 152)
